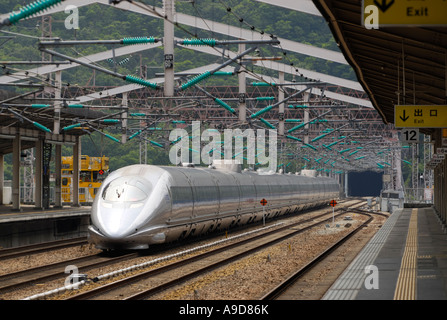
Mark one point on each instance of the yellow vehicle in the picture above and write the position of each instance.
(93, 172)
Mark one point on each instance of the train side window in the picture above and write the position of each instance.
(64, 181)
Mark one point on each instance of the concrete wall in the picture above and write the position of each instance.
(440, 187)
(21, 233)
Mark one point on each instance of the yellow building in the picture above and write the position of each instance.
(93, 171)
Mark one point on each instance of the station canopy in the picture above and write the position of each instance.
(26, 116)
(404, 64)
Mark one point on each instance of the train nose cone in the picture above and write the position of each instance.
(118, 225)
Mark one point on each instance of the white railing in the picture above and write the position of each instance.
(418, 195)
(27, 195)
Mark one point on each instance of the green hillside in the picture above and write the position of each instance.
(106, 22)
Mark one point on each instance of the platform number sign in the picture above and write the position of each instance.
(410, 135)
(169, 61)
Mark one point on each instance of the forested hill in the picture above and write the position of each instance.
(106, 22)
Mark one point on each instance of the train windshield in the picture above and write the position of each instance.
(126, 189)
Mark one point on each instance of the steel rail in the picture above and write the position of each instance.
(13, 281)
(293, 278)
(183, 262)
(15, 252)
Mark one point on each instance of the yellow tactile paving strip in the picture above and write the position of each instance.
(406, 282)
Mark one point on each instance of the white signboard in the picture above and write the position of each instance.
(409, 135)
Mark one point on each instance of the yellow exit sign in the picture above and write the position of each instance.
(409, 116)
(407, 12)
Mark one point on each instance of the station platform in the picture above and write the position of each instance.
(405, 260)
(29, 212)
(31, 225)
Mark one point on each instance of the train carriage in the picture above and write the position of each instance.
(141, 205)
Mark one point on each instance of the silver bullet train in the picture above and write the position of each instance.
(141, 205)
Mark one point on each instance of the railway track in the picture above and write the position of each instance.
(19, 279)
(16, 252)
(281, 289)
(151, 282)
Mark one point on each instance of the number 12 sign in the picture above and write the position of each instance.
(409, 136)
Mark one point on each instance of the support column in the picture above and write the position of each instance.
(281, 106)
(57, 103)
(2, 177)
(16, 149)
(242, 91)
(58, 181)
(168, 43)
(46, 175)
(306, 97)
(124, 118)
(439, 181)
(346, 185)
(38, 174)
(76, 169)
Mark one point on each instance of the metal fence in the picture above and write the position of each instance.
(27, 195)
(418, 195)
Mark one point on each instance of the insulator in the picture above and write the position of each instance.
(41, 127)
(156, 144)
(124, 61)
(140, 81)
(199, 42)
(261, 112)
(296, 127)
(195, 80)
(223, 73)
(31, 9)
(294, 138)
(226, 106)
(310, 146)
(263, 84)
(135, 134)
(71, 126)
(112, 138)
(138, 40)
(268, 124)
